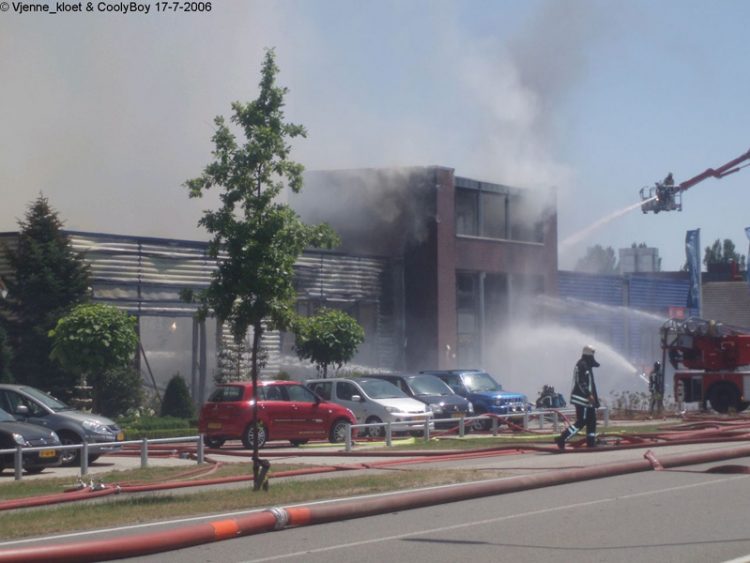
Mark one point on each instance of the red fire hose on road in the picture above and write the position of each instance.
(280, 518)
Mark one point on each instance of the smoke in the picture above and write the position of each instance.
(109, 117)
(537, 349)
(529, 355)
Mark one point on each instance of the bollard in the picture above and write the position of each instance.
(200, 449)
(84, 452)
(18, 463)
(144, 453)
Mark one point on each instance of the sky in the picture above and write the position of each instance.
(107, 113)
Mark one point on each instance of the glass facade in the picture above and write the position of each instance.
(497, 214)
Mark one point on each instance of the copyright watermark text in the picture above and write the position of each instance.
(105, 7)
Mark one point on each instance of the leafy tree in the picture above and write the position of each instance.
(255, 238)
(723, 253)
(5, 358)
(92, 340)
(598, 260)
(177, 401)
(48, 279)
(330, 337)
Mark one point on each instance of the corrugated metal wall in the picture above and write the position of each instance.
(622, 311)
(145, 276)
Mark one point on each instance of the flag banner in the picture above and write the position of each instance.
(693, 252)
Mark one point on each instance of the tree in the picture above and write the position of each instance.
(5, 358)
(92, 340)
(598, 260)
(177, 401)
(48, 279)
(255, 238)
(330, 337)
(723, 254)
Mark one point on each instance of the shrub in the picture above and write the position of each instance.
(177, 401)
(117, 391)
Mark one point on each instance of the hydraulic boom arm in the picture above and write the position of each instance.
(666, 196)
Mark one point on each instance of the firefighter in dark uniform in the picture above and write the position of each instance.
(654, 389)
(585, 399)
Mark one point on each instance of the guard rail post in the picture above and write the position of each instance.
(461, 426)
(18, 463)
(348, 438)
(540, 418)
(84, 458)
(144, 453)
(426, 429)
(525, 419)
(555, 423)
(494, 426)
(388, 435)
(200, 449)
(606, 417)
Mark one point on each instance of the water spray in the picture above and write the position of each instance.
(582, 234)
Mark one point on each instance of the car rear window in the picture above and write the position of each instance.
(226, 394)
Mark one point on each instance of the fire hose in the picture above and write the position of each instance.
(279, 518)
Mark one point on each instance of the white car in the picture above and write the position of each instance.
(374, 401)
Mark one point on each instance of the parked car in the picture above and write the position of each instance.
(14, 434)
(441, 399)
(373, 401)
(486, 394)
(28, 404)
(287, 410)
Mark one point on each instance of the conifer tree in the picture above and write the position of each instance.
(48, 278)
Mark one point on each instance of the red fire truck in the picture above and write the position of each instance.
(709, 358)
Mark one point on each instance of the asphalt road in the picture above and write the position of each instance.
(676, 516)
(680, 515)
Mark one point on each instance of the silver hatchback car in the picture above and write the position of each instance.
(29, 404)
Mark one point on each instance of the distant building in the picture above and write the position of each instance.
(639, 259)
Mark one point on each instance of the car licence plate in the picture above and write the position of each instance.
(457, 415)
(120, 436)
(214, 425)
(47, 453)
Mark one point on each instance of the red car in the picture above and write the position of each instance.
(287, 410)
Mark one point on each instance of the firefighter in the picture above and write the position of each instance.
(654, 390)
(585, 399)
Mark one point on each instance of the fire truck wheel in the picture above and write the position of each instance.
(723, 398)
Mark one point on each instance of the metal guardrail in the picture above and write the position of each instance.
(541, 415)
(19, 451)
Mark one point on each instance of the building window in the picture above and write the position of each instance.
(494, 214)
(467, 212)
(525, 220)
(491, 212)
(469, 331)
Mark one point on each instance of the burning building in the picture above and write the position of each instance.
(430, 265)
(472, 253)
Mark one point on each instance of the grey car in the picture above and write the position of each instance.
(29, 404)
